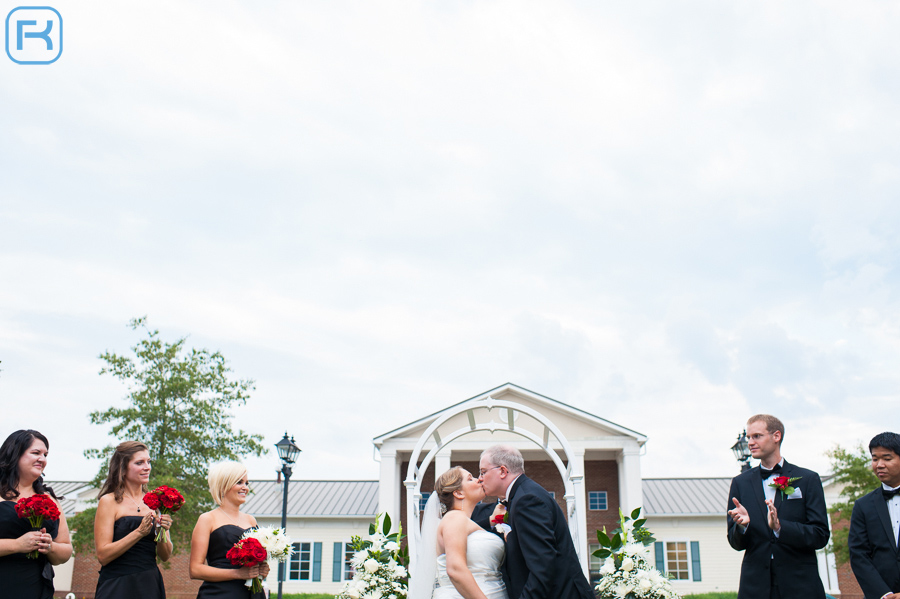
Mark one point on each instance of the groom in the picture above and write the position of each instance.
(778, 523)
(541, 562)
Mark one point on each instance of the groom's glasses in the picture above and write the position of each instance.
(482, 472)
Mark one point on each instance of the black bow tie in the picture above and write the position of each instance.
(504, 503)
(889, 494)
(767, 473)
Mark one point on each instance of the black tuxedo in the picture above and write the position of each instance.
(541, 562)
(789, 558)
(873, 547)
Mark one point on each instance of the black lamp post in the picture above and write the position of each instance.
(287, 452)
(741, 450)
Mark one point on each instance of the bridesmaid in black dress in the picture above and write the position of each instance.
(124, 529)
(217, 531)
(23, 457)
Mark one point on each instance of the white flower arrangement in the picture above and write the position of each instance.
(626, 572)
(378, 571)
(276, 543)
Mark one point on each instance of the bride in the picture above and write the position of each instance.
(457, 558)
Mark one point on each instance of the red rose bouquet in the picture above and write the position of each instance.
(37, 508)
(165, 499)
(248, 552)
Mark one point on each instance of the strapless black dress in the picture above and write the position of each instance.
(220, 541)
(134, 573)
(20, 577)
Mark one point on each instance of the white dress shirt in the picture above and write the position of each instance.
(893, 507)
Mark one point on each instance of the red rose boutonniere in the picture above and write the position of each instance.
(500, 518)
(783, 484)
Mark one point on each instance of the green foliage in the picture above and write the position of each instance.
(178, 404)
(610, 545)
(854, 470)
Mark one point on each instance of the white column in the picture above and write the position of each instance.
(389, 485)
(630, 486)
(578, 524)
(442, 463)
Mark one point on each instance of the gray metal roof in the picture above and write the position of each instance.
(68, 489)
(317, 498)
(686, 496)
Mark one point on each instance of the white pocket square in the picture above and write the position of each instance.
(795, 495)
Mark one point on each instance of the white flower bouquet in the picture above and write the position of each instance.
(378, 565)
(276, 543)
(626, 572)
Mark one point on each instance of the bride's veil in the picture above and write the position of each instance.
(421, 582)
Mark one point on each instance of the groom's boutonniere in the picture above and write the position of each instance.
(783, 484)
(500, 523)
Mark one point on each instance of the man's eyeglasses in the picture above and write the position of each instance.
(482, 472)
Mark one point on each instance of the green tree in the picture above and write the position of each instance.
(178, 404)
(853, 468)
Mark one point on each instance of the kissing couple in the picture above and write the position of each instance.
(462, 555)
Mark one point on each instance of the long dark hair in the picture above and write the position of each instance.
(11, 451)
(118, 466)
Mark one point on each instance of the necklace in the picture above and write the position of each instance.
(128, 495)
(229, 517)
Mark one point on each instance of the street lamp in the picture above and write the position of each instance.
(741, 450)
(287, 452)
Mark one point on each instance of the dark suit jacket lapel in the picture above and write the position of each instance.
(885, 517)
(757, 484)
(516, 486)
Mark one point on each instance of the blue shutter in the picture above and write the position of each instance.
(695, 560)
(660, 557)
(337, 564)
(317, 562)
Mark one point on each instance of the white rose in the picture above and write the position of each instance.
(607, 568)
(371, 565)
(645, 585)
(627, 564)
(352, 593)
(399, 571)
(392, 546)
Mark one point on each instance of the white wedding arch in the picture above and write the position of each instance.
(509, 411)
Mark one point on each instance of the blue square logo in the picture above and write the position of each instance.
(34, 35)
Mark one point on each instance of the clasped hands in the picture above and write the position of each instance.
(39, 540)
(151, 520)
(742, 518)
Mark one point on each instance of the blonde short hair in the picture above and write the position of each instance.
(222, 477)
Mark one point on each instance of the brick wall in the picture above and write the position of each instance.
(178, 583)
(846, 580)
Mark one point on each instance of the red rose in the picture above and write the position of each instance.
(246, 552)
(499, 519)
(151, 500)
(780, 481)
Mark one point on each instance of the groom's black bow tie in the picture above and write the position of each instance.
(504, 503)
(889, 494)
(767, 473)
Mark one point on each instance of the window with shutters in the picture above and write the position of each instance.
(348, 558)
(679, 559)
(300, 566)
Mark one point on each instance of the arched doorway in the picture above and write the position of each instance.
(509, 412)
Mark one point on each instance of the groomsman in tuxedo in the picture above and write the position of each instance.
(875, 524)
(778, 524)
(541, 562)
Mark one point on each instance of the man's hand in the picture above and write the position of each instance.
(739, 514)
(774, 523)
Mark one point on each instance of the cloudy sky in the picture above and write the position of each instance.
(670, 214)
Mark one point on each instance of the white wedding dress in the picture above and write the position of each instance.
(484, 554)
